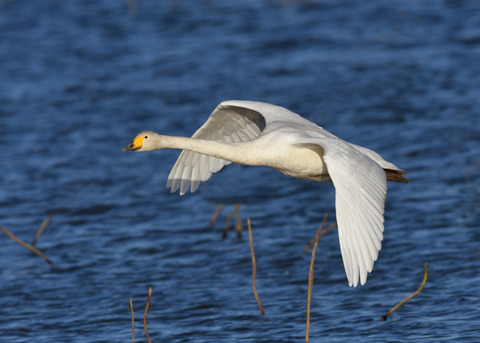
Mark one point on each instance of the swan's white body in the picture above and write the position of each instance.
(261, 134)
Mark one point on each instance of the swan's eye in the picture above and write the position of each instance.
(146, 136)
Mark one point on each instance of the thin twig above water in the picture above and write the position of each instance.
(393, 309)
(26, 245)
(311, 274)
(254, 267)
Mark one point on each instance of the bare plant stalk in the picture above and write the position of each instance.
(254, 267)
(26, 245)
(323, 233)
(238, 221)
(215, 215)
(130, 307)
(311, 274)
(41, 229)
(145, 314)
(393, 309)
(133, 7)
(227, 223)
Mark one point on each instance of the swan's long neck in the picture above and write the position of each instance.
(234, 152)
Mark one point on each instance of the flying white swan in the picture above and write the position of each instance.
(261, 134)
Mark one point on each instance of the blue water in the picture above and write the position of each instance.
(79, 79)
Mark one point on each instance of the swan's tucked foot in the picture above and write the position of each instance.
(396, 175)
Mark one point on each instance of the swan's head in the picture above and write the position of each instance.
(145, 141)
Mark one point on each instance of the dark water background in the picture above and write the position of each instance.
(79, 79)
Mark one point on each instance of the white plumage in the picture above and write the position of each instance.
(261, 134)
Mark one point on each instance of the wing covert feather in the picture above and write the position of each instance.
(228, 124)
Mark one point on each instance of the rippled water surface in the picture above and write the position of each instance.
(79, 79)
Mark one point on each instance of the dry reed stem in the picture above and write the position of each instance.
(26, 245)
(41, 229)
(215, 215)
(323, 233)
(238, 221)
(130, 307)
(145, 314)
(311, 274)
(393, 309)
(254, 267)
(133, 7)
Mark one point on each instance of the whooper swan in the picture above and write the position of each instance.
(261, 134)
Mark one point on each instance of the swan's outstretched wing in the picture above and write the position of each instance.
(360, 194)
(228, 124)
